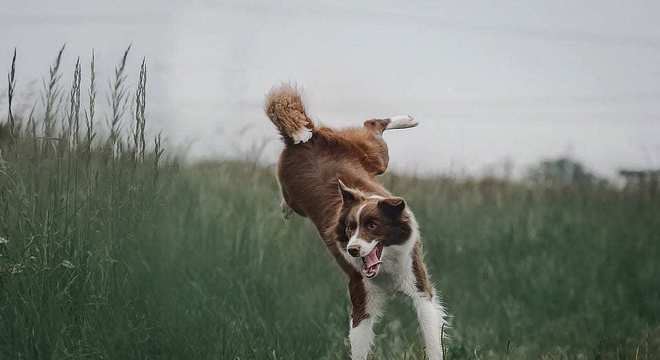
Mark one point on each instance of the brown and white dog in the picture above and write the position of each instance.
(329, 176)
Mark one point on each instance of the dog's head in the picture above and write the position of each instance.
(370, 224)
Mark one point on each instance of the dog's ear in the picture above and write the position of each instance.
(349, 196)
(392, 207)
(376, 125)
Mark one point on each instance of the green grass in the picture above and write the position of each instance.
(115, 255)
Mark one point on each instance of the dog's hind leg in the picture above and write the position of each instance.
(394, 122)
(376, 155)
(367, 304)
(374, 146)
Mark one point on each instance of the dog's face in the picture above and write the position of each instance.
(370, 224)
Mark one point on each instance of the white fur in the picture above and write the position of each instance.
(397, 260)
(375, 197)
(364, 246)
(287, 211)
(430, 315)
(362, 336)
(301, 135)
(396, 274)
(356, 241)
(401, 122)
(355, 262)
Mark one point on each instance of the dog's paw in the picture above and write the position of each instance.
(401, 122)
(287, 211)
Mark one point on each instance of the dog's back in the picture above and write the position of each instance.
(309, 172)
(315, 158)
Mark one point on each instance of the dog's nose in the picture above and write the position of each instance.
(354, 250)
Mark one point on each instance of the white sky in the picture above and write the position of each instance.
(489, 80)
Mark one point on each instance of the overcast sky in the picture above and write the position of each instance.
(490, 81)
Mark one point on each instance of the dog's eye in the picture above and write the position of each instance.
(372, 225)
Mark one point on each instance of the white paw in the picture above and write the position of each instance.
(401, 122)
(302, 135)
(287, 211)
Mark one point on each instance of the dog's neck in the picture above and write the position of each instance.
(400, 256)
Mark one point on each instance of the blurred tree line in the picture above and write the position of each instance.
(562, 172)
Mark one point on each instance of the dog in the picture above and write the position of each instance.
(329, 176)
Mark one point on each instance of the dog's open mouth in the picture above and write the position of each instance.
(371, 262)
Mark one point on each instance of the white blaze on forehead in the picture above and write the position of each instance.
(354, 237)
(375, 197)
(365, 246)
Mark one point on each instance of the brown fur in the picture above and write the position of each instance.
(309, 176)
(419, 269)
(358, 296)
(309, 173)
(286, 111)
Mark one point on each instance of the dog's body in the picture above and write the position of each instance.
(330, 176)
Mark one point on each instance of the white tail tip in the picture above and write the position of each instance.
(302, 135)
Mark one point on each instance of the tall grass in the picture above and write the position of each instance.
(70, 207)
(109, 250)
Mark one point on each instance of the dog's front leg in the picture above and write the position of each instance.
(430, 315)
(367, 303)
(362, 338)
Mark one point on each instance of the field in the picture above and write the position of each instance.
(108, 249)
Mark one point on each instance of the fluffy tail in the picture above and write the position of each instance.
(286, 111)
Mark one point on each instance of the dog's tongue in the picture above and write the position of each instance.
(372, 258)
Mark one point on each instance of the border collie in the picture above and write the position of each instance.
(329, 176)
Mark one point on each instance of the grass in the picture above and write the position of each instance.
(110, 250)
